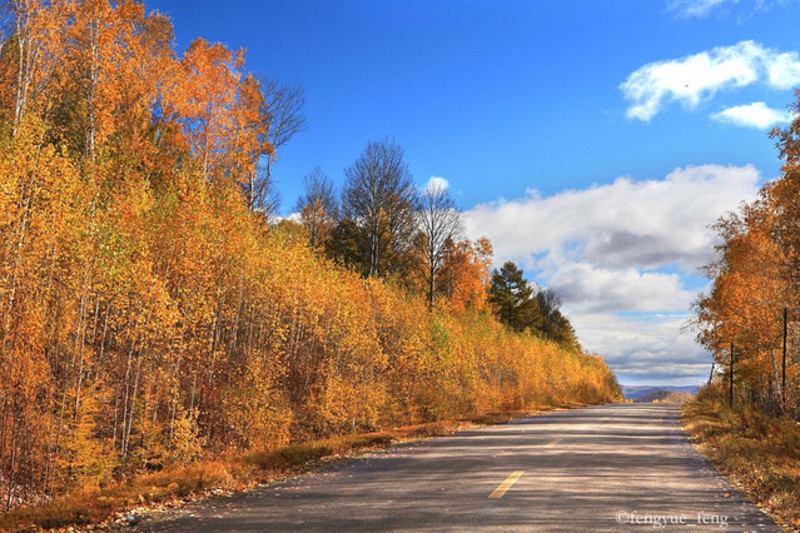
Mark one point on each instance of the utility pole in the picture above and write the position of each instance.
(730, 391)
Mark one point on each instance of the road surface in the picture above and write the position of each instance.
(624, 467)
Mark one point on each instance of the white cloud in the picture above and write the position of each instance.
(291, 217)
(692, 79)
(647, 349)
(590, 289)
(783, 71)
(695, 8)
(437, 183)
(622, 249)
(755, 115)
(627, 223)
(703, 8)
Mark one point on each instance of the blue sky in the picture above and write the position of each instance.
(592, 141)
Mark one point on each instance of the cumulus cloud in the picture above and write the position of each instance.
(783, 71)
(619, 251)
(589, 289)
(695, 78)
(624, 224)
(646, 349)
(436, 183)
(755, 115)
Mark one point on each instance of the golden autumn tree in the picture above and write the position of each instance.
(743, 307)
(784, 197)
(754, 280)
(30, 57)
(200, 98)
(250, 142)
(466, 273)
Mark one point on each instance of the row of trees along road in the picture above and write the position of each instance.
(149, 314)
(754, 302)
(386, 227)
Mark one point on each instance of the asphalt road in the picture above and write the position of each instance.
(625, 467)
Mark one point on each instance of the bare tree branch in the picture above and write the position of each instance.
(318, 207)
(439, 222)
(380, 197)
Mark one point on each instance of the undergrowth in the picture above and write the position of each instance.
(759, 453)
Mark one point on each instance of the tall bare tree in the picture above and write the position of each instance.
(439, 223)
(284, 103)
(318, 206)
(380, 198)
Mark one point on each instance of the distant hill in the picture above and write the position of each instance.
(648, 393)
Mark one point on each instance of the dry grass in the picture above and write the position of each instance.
(760, 454)
(97, 506)
(122, 502)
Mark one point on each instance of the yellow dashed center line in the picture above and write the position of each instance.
(552, 443)
(505, 485)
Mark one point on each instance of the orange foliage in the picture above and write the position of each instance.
(466, 274)
(148, 317)
(756, 278)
